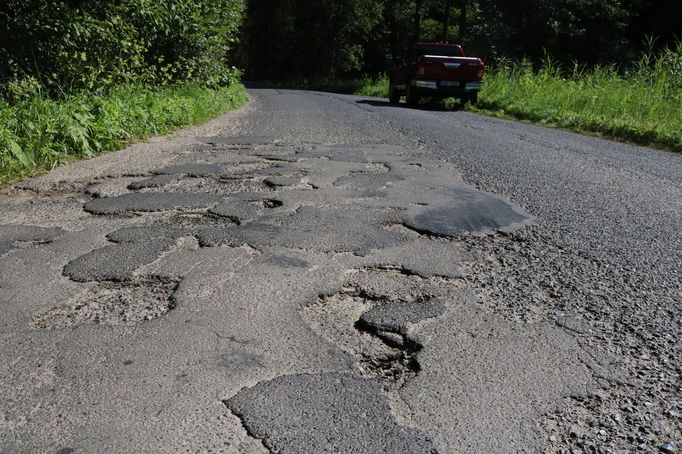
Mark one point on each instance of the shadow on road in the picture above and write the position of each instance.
(430, 106)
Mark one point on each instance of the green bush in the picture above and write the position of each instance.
(77, 44)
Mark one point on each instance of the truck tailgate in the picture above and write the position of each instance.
(438, 67)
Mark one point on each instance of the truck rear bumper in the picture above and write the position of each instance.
(447, 87)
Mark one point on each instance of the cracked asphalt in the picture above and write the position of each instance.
(329, 273)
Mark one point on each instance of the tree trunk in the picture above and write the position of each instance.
(392, 30)
(446, 20)
(462, 20)
(417, 19)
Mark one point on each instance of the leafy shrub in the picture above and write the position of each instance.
(77, 44)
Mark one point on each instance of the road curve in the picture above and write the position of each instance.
(320, 272)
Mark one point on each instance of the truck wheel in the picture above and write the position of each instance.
(473, 98)
(393, 95)
(412, 97)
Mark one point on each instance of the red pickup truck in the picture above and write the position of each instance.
(436, 70)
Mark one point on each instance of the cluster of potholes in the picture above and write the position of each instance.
(372, 318)
(331, 199)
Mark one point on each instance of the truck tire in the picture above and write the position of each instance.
(471, 98)
(393, 95)
(412, 97)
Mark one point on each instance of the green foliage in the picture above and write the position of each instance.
(37, 132)
(76, 44)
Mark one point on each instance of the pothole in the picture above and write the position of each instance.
(193, 220)
(222, 185)
(377, 167)
(112, 303)
(267, 203)
(250, 167)
(371, 319)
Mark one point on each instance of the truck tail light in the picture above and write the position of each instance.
(479, 71)
(421, 69)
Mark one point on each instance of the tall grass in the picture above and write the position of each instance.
(38, 132)
(641, 105)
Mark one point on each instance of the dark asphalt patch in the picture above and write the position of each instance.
(116, 262)
(324, 413)
(397, 317)
(467, 211)
(146, 233)
(150, 201)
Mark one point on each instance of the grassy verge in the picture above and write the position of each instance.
(643, 106)
(38, 133)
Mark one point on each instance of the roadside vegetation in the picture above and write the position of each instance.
(78, 78)
(38, 132)
(642, 104)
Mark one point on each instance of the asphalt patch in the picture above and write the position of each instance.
(150, 202)
(467, 210)
(329, 412)
(116, 262)
(397, 317)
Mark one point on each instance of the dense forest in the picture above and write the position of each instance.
(291, 39)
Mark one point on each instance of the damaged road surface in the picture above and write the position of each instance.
(268, 282)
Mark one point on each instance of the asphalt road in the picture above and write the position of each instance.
(320, 272)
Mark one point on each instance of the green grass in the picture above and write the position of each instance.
(643, 105)
(38, 133)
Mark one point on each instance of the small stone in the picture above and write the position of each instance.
(667, 448)
(552, 438)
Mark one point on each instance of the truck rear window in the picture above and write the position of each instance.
(435, 49)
